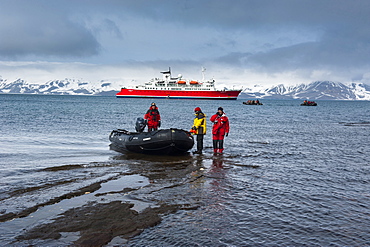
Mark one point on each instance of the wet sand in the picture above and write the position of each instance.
(28, 211)
(98, 223)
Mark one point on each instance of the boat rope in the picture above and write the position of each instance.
(156, 149)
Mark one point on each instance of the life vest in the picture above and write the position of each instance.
(153, 117)
(200, 124)
(220, 124)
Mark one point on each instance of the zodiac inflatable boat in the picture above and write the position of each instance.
(164, 141)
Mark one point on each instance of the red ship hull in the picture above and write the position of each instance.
(178, 94)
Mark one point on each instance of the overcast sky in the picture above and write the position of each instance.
(240, 42)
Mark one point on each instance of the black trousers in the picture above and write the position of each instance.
(200, 142)
(218, 144)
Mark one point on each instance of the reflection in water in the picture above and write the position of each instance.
(217, 162)
(217, 190)
(152, 158)
(197, 175)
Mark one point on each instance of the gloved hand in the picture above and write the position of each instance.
(159, 123)
(227, 134)
(146, 121)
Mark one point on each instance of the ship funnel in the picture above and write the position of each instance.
(166, 74)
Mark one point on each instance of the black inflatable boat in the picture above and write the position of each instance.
(309, 103)
(164, 141)
(252, 102)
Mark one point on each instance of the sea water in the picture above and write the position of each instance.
(291, 175)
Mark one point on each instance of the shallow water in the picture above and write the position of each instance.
(290, 175)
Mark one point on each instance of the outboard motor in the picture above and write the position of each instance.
(140, 124)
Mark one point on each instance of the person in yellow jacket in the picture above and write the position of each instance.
(199, 128)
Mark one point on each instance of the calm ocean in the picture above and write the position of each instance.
(291, 175)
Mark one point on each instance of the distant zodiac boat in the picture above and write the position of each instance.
(252, 102)
(178, 88)
(309, 103)
(159, 142)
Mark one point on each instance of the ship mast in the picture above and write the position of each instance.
(203, 70)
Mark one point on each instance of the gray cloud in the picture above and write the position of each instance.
(334, 51)
(266, 36)
(41, 29)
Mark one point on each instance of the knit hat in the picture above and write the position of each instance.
(153, 104)
(197, 109)
(220, 108)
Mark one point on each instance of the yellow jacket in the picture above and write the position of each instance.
(200, 125)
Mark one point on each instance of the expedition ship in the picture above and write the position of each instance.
(178, 88)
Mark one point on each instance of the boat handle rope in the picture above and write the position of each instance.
(155, 149)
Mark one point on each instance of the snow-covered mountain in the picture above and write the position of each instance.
(325, 90)
(66, 86)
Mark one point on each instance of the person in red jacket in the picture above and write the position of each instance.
(219, 130)
(153, 118)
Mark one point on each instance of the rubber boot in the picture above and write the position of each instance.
(220, 151)
(215, 151)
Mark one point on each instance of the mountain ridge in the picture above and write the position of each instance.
(318, 90)
(324, 90)
(59, 87)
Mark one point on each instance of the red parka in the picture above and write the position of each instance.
(153, 117)
(220, 124)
